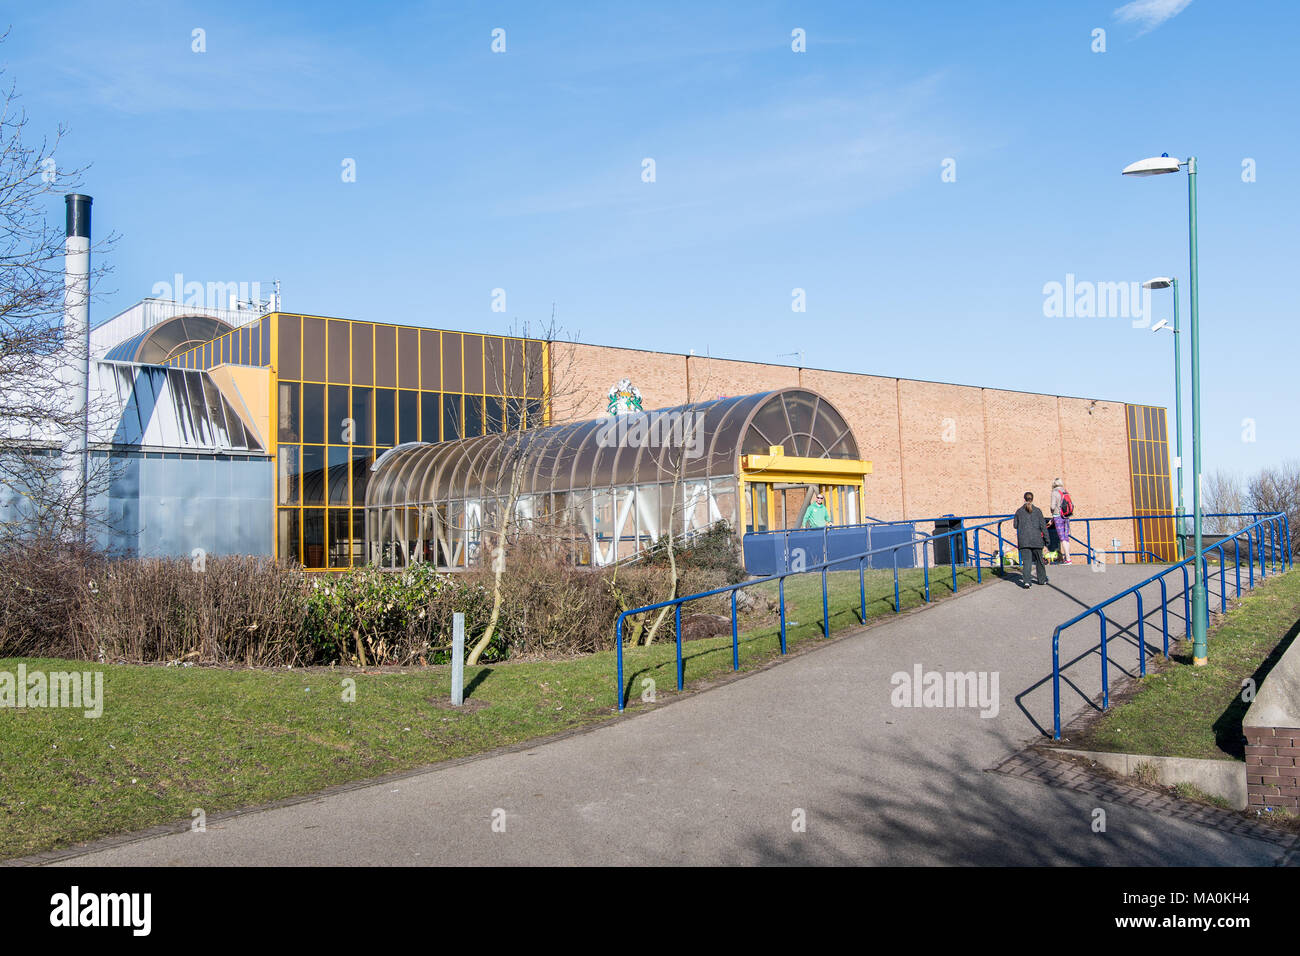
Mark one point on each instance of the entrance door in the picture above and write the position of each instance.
(780, 506)
(758, 506)
(790, 502)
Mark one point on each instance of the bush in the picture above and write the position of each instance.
(238, 610)
(368, 616)
(712, 550)
(40, 588)
(61, 602)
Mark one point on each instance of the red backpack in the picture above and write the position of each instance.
(1067, 504)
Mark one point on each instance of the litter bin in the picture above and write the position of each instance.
(952, 549)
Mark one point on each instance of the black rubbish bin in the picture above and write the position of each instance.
(952, 549)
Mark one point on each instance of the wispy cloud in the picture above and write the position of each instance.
(1150, 13)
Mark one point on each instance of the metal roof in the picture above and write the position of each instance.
(155, 345)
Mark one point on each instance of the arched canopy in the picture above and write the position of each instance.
(703, 440)
(155, 345)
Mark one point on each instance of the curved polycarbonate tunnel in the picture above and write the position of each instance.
(175, 336)
(606, 486)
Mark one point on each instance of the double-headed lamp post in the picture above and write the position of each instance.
(1156, 166)
(1166, 282)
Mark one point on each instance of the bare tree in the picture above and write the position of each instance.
(1278, 490)
(510, 515)
(44, 494)
(678, 453)
(1222, 492)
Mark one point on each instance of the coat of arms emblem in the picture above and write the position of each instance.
(624, 397)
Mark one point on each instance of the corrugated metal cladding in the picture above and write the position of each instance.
(150, 313)
(168, 408)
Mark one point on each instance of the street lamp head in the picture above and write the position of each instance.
(1159, 282)
(1154, 166)
(1162, 324)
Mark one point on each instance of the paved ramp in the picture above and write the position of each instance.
(724, 777)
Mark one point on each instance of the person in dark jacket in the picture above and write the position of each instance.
(1031, 536)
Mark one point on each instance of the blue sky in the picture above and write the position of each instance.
(774, 170)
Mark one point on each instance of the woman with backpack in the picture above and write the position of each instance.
(1062, 509)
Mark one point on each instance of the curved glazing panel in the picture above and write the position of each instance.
(616, 483)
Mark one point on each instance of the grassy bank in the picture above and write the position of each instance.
(172, 740)
(1183, 711)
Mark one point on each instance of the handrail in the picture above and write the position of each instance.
(823, 567)
(1279, 532)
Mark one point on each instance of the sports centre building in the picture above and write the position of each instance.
(271, 435)
(335, 443)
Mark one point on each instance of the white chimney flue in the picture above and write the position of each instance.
(76, 332)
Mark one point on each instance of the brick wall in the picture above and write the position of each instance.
(712, 378)
(942, 433)
(869, 404)
(935, 448)
(1273, 767)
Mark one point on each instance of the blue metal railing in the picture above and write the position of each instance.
(1141, 522)
(822, 568)
(1279, 554)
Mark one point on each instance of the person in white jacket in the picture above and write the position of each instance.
(1061, 521)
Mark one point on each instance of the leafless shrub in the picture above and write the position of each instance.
(1278, 489)
(238, 610)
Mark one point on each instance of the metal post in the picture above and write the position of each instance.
(1164, 613)
(458, 660)
(780, 589)
(677, 625)
(826, 613)
(898, 606)
(1200, 608)
(1105, 661)
(618, 646)
(1250, 564)
(1259, 541)
(1236, 557)
(1178, 424)
(925, 564)
(735, 638)
(1056, 683)
(1142, 635)
(952, 559)
(862, 589)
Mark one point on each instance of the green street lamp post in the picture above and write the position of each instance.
(1167, 282)
(1157, 166)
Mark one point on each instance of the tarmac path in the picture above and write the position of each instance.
(725, 776)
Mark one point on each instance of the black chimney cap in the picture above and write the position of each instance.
(78, 215)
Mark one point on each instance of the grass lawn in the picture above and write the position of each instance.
(172, 740)
(1179, 710)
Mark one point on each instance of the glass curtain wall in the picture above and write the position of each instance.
(347, 392)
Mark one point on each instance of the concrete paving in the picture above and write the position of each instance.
(725, 777)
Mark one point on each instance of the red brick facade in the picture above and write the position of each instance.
(935, 448)
(1273, 767)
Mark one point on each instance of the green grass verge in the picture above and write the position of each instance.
(172, 740)
(1179, 710)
